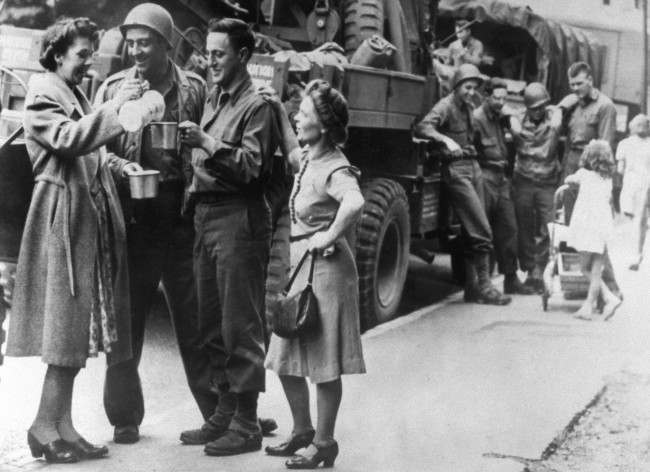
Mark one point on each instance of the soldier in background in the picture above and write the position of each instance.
(535, 179)
(588, 114)
(492, 149)
(450, 123)
(467, 49)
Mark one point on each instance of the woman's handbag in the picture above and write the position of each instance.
(298, 315)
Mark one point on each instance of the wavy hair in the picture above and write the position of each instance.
(60, 36)
(598, 157)
(331, 108)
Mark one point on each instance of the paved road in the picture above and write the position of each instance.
(446, 384)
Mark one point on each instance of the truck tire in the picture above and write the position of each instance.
(382, 250)
(362, 19)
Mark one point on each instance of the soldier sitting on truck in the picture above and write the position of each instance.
(535, 178)
(467, 49)
(493, 158)
(450, 123)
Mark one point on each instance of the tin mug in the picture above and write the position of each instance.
(144, 184)
(163, 135)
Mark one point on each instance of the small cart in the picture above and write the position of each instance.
(564, 261)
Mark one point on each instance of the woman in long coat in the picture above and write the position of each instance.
(71, 298)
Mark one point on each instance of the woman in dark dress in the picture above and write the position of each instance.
(71, 297)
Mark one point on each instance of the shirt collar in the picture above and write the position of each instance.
(592, 97)
(491, 114)
(459, 102)
(233, 92)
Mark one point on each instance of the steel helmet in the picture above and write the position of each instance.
(466, 72)
(152, 16)
(536, 95)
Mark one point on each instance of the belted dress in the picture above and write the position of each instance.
(335, 348)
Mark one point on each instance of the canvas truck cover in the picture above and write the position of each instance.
(558, 45)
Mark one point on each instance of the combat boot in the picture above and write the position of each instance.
(512, 285)
(535, 280)
(471, 283)
(488, 294)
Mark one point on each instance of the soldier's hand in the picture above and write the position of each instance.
(130, 89)
(454, 148)
(192, 134)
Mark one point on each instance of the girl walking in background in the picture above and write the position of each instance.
(633, 157)
(592, 223)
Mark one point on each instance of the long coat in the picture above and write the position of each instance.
(53, 293)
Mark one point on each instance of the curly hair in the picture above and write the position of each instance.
(331, 108)
(60, 36)
(598, 157)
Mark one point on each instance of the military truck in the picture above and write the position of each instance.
(405, 206)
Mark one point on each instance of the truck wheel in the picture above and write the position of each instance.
(363, 18)
(382, 250)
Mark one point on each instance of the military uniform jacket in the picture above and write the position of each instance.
(191, 90)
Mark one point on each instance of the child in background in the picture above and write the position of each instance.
(633, 157)
(592, 223)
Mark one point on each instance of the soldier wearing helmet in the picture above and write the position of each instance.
(491, 126)
(451, 124)
(160, 240)
(535, 178)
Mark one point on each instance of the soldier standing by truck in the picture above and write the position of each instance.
(589, 114)
(497, 187)
(450, 123)
(159, 240)
(232, 159)
(535, 178)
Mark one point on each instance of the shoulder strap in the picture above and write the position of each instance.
(297, 269)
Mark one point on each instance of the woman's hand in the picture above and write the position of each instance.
(193, 135)
(130, 89)
(320, 241)
(131, 168)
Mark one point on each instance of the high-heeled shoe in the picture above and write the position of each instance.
(84, 450)
(326, 455)
(55, 452)
(289, 447)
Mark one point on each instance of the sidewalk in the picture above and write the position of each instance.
(445, 386)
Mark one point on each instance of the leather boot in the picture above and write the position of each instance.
(471, 284)
(512, 285)
(487, 293)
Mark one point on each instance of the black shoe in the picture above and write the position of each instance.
(491, 296)
(326, 455)
(126, 434)
(55, 452)
(84, 450)
(267, 425)
(234, 442)
(537, 285)
(512, 285)
(289, 447)
(206, 433)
